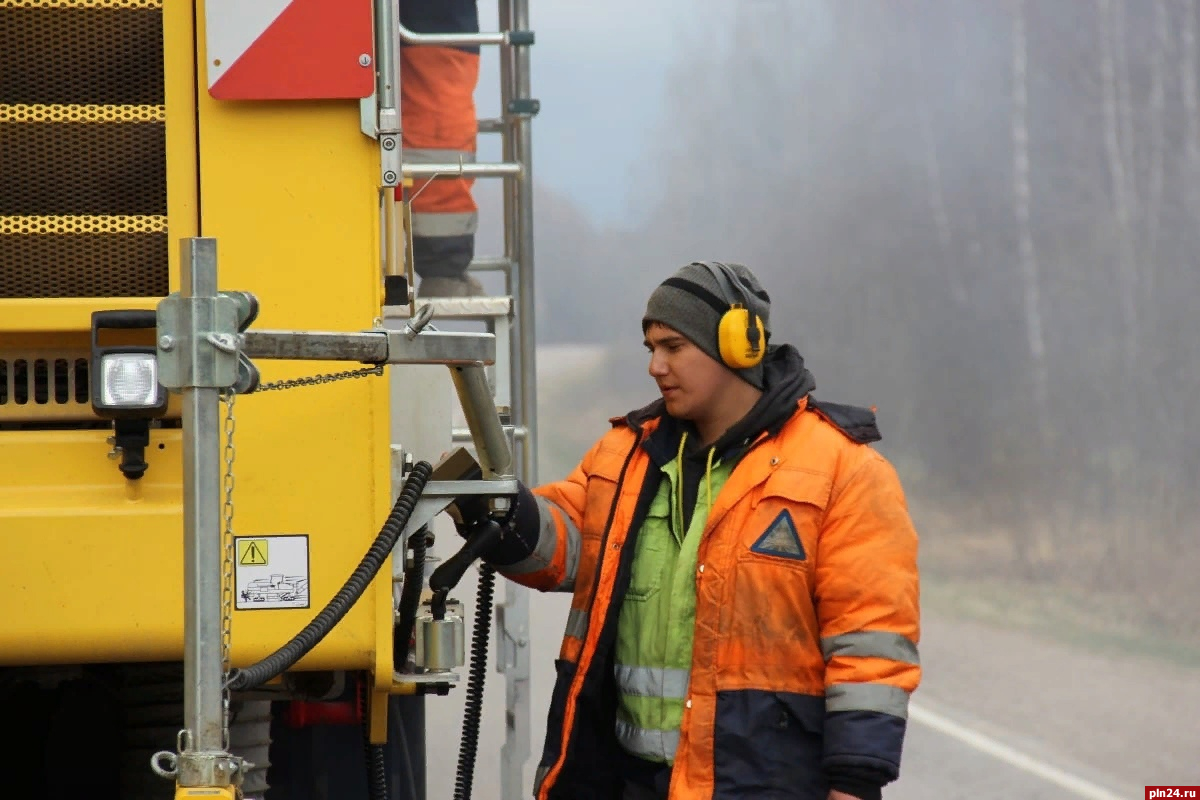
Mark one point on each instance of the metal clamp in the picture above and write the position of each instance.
(192, 768)
(197, 342)
(210, 769)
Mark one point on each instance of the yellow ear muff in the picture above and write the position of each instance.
(742, 342)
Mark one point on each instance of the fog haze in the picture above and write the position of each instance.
(980, 218)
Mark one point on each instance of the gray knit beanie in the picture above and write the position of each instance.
(692, 301)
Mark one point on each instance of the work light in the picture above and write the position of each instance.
(125, 377)
(129, 380)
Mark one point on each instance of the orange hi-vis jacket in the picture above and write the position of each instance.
(800, 665)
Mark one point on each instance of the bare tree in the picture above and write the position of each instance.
(1116, 136)
(1027, 256)
(1158, 63)
(1191, 107)
(933, 174)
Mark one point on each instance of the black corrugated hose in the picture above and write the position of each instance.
(473, 708)
(410, 599)
(347, 596)
(377, 781)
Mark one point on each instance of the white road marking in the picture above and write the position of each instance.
(985, 744)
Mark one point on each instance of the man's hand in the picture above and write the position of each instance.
(834, 794)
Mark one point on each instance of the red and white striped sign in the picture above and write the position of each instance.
(289, 49)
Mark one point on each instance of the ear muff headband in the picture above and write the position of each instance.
(741, 337)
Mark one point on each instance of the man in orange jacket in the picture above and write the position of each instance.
(439, 126)
(745, 616)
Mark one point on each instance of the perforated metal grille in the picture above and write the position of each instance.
(91, 167)
(85, 53)
(116, 265)
(82, 130)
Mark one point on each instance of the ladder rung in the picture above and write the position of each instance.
(512, 38)
(491, 125)
(457, 308)
(469, 170)
(463, 435)
(492, 264)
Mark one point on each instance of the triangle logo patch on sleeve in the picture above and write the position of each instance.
(780, 539)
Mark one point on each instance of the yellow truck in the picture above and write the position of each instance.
(215, 501)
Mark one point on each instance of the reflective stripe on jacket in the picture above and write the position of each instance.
(801, 661)
(654, 631)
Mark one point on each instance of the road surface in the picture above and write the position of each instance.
(1001, 715)
(1004, 714)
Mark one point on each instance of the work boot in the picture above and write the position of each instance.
(437, 286)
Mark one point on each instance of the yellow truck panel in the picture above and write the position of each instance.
(289, 191)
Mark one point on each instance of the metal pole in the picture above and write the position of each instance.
(512, 253)
(522, 154)
(202, 668)
(491, 443)
(513, 615)
(387, 45)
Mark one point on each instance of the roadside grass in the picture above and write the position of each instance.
(1082, 594)
(1102, 623)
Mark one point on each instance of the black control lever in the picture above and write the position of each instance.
(450, 571)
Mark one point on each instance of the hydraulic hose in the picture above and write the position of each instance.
(450, 572)
(473, 708)
(347, 596)
(377, 782)
(410, 600)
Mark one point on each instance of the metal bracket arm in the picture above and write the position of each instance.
(437, 495)
(451, 348)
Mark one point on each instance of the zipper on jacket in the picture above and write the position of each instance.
(612, 514)
(581, 675)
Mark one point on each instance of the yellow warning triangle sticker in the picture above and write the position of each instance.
(252, 552)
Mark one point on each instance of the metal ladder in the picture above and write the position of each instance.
(510, 318)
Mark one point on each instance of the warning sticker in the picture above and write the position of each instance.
(271, 572)
(252, 552)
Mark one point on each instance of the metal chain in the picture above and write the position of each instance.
(314, 380)
(227, 579)
(228, 583)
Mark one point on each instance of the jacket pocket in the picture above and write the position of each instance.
(650, 552)
(796, 486)
(785, 518)
(768, 745)
(600, 495)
